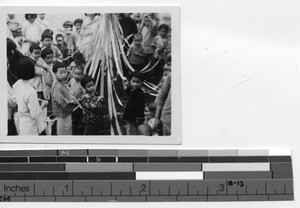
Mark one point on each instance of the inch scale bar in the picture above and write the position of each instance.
(145, 175)
(148, 190)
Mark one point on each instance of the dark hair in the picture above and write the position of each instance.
(138, 35)
(27, 16)
(25, 68)
(80, 67)
(59, 36)
(137, 74)
(68, 24)
(11, 47)
(46, 35)
(58, 65)
(46, 52)
(78, 21)
(78, 56)
(164, 26)
(34, 47)
(48, 31)
(86, 79)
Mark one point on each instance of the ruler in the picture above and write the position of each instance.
(137, 175)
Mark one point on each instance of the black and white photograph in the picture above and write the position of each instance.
(92, 74)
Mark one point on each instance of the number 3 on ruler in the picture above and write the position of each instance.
(222, 187)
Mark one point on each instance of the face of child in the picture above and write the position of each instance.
(163, 33)
(59, 41)
(77, 62)
(137, 19)
(61, 74)
(68, 28)
(90, 87)
(77, 74)
(47, 42)
(49, 59)
(42, 16)
(78, 26)
(31, 19)
(135, 83)
(36, 54)
(137, 41)
(147, 22)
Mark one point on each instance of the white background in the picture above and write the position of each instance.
(240, 83)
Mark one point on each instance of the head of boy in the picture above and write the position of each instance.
(137, 18)
(35, 51)
(78, 24)
(68, 25)
(78, 72)
(87, 83)
(30, 17)
(59, 39)
(47, 55)
(78, 58)
(136, 80)
(145, 129)
(48, 31)
(137, 39)
(47, 39)
(60, 71)
(42, 16)
(25, 68)
(147, 21)
(163, 30)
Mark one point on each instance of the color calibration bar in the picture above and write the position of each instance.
(145, 175)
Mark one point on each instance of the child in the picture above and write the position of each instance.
(63, 103)
(47, 56)
(77, 91)
(29, 109)
(69, 37)
(166, 71)
(60, 44)
(137, 56)
(47, 39)
(40, 66)
(31, 32)
(161, 44)
(91, 104)
(148, 29)
(137, 19)
(134, 110)
(78, 60)
(162, 48)
(77, 24)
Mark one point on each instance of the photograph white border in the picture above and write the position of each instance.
(175, 138)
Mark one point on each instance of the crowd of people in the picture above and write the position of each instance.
(49, 92)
